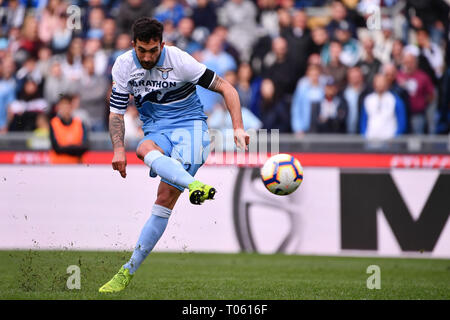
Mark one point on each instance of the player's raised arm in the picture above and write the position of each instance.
(117, 134)
(231, 97)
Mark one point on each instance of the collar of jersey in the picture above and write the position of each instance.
(158, 64)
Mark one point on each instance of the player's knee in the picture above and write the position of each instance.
(144, 148)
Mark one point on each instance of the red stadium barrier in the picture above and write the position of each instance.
(347, 160)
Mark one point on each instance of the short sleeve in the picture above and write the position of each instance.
(118, 101)
(192, 69)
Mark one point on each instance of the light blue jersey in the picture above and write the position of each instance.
(165, 95)
(167, 102)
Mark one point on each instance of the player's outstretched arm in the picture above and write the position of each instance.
(117, 134)
(229, 93)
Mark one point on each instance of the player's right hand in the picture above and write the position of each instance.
(241, 139)
(119, 162)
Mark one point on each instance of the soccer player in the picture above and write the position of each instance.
(162, 80)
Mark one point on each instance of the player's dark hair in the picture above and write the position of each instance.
(146, 29)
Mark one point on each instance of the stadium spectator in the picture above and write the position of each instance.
(93, 47)
(320, 39)
(56, 83)
(278, 68)
(93, 103)
(390, 73)
(96, 18)
(397, 53)
(7, 90)
(11, 16)
(28, 41)
(351, 51)
(284, 21)
(432, 52)
(419, 87)
(23, 111)
(71, 63)
(335, 67)
(68, 134)
(431, 61)
(204, 15)
(369, 65)
(169, 10)
(61, 35)
(384, 41)
(432, 14)
(239, 16)
(222, 33)
(51, 20)
(28, 70)
(184, 41)
(353, 94)
(44, 61)
(274, 110)
(383, 114)
(299, 43)
(130, 11)
(220, 118)
(267, 16)
(4, 48)
(288, 5)
(443, 125)
(123, 44)
(314, 58)
(329, 115)
(39, 138)
(247, 88)
(216, 59)
(109, 29)
(310, 89)
(338, 15)
(170, 34)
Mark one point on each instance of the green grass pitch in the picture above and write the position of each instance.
(42, 275)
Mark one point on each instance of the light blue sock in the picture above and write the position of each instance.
(150, 234)
(168, 168)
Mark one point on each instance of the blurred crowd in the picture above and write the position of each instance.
(305, 66)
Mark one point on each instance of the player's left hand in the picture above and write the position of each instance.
(241, 139)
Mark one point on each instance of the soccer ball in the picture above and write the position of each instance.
(282, 174)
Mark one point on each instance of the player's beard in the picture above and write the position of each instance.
(149, 65)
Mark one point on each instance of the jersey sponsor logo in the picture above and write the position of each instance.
(153, 83)
(164, 72)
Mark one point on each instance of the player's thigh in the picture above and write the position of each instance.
(191, 151)
(167, 195)
(153, 142)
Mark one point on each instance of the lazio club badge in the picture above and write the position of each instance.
(165, 72)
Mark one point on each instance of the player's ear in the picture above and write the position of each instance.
(162, 45)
